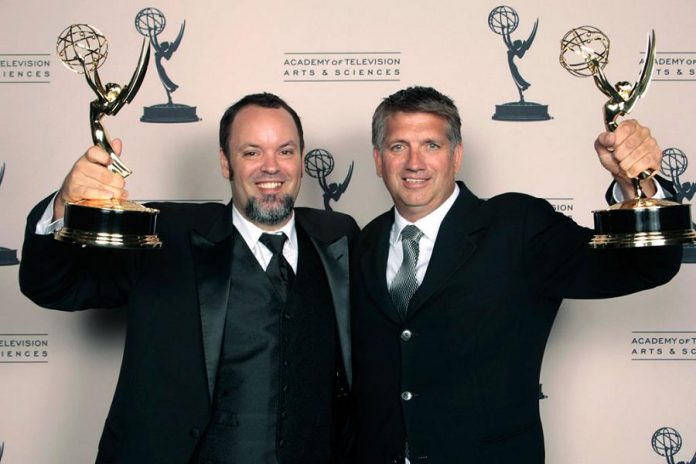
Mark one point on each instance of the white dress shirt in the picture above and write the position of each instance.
(45, 226)
(430, 226)
(618, 195)
(251, 234)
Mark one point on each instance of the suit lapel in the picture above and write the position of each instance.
(335, 261)
(334, 258)
(212, 258)
(456, 241)
(373, 266)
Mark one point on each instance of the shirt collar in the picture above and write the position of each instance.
(251, 233)
(429, 224)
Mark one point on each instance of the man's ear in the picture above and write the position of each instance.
(377, 155)
(457, 157)
(225, 165)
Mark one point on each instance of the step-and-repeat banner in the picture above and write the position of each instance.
(619, 375)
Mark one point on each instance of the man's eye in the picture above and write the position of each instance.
(287, 152)
(397, 147)
(433, 146)
(250, 153)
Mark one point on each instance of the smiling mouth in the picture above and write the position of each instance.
(414, 181)
(269, 185)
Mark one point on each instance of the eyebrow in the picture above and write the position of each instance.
(406, 142)
(289, 143)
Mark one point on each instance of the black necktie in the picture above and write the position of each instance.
(405, 283)
(278, 270)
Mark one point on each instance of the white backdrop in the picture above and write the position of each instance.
(604, 401)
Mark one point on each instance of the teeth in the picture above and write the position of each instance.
(269, 185)
(414, 181)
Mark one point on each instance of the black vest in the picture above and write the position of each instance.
(275, 391)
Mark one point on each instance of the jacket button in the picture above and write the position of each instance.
(406, 396)
(406, 335)
(195, 433)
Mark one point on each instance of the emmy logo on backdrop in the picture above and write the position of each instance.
(7, 257)
(674, 164)
(319, 163)
(150, 22)
(667, 442)
(504, 20)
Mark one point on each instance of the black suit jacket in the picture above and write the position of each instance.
(176, 299)
(477, 327)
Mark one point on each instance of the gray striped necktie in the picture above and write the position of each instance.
(405, 284)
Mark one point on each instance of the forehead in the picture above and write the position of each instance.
(403, 125)
(256, 124)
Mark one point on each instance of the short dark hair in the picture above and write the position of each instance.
(264, 100)
(416, 100)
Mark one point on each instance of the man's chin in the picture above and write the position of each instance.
(270, 210)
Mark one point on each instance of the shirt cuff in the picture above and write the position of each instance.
(45, 226)
(619, 197)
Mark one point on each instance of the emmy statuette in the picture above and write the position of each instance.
(104, 223)
(639, 222)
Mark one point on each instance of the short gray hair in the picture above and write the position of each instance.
(416, 100)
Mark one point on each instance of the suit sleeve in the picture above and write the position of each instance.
(562, 265)
(68, 277)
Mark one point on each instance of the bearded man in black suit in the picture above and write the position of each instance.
(224, 360)
(454, 296)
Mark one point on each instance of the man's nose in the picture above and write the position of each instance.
(270, 163)
(414, 162)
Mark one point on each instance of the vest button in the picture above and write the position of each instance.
(406, 335)
(406, 396)
(195, 433)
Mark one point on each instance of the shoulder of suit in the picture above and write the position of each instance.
(326, 225)
(186, 213)
(515, 200)
(379, 222)
(374, 231)
(506, 208)
(187, 207)
(524, 210)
